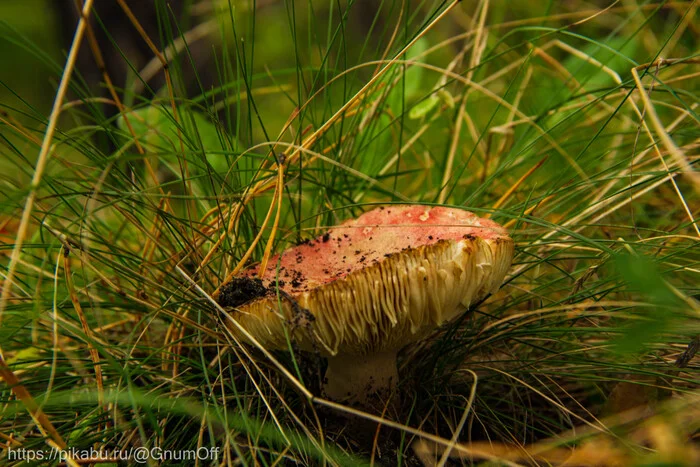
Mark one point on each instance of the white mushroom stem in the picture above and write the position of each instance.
(363, 379)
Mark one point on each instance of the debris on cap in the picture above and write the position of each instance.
(380, 281)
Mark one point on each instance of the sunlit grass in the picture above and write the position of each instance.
(575, 127)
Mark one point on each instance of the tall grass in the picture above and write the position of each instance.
(574, 126)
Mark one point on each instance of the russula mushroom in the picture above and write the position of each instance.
(370, 286)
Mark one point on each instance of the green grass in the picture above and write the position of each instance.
(527, 113)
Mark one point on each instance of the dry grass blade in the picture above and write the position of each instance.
(591, 449)
(480, 41)
(94, 354)
(247, 335)
(40, 418)
(509, 192)
(42, 160)
(673, 150)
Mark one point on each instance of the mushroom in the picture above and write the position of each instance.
(368, 287)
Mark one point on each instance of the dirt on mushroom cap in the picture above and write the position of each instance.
(381, 280)
(369, 239)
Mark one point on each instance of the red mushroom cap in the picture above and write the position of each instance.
(369, 239)
(381, 280)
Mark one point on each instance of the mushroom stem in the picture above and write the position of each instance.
(366, 380)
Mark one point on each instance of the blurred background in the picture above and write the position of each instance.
(37, 33)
